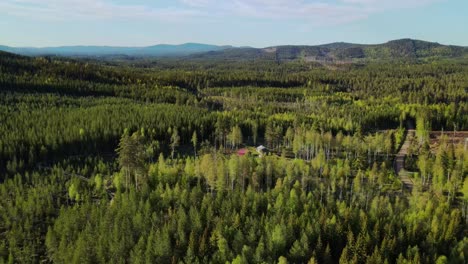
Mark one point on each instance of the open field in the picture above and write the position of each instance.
(449, 137)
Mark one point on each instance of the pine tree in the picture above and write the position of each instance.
(131, 158)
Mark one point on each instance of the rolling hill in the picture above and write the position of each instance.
(396, 49)
(402, 49)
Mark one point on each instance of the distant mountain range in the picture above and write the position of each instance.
(155, 51)
(340, 51)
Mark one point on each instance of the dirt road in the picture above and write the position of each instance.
(399, 164)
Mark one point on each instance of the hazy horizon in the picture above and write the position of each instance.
(214, 44)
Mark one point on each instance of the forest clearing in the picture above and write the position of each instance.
(449, 137)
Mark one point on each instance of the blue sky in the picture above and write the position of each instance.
(257, 23)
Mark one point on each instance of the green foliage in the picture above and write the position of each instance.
(80, 181)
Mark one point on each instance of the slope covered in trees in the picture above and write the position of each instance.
(401, 49)
(396, 50)
(137, 162)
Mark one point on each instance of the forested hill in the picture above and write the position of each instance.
(403, 49)
(396, 49)
(4, 55)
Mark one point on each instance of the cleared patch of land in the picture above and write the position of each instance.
(450, 137)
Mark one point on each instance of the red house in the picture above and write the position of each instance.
(242, 152)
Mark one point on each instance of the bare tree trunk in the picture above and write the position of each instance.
(136, 180)
(126, 178)
(367, 198)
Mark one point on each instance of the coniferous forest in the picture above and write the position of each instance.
(157, 161)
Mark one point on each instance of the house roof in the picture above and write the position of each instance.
(261, 147)
(242, 152)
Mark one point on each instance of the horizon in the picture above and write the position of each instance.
(253, 23)
(221, 45)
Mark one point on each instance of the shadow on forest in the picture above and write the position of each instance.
(31, 88)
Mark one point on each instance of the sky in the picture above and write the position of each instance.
(256, 23)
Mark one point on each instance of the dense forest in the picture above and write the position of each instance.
(157, 161)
